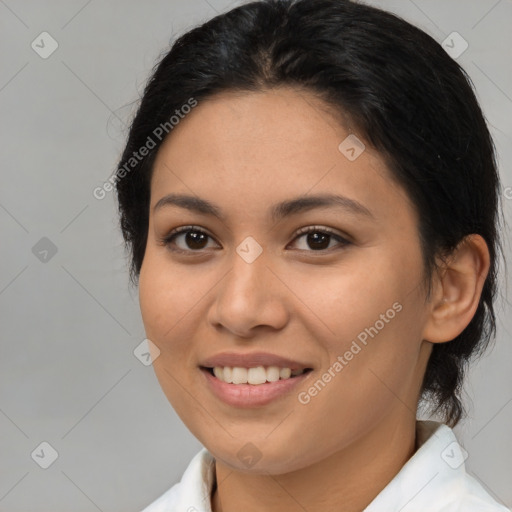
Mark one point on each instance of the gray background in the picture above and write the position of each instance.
(69, 325)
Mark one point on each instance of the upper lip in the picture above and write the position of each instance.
(252, 360)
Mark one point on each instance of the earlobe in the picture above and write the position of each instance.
(457, 289)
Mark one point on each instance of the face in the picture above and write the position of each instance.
(333, 289)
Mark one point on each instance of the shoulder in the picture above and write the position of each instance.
(435, 478)
(193, 491)
(472, 496)
(462, 491)
(166, 500)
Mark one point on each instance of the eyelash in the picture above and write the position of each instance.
(168, 239)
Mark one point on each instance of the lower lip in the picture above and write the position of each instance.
(249, 395)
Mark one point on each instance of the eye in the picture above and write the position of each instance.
(319, 238)
(195, 240)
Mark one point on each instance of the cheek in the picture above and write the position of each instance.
(164, 298)
(166, 308)
(352, 298)
(374, 325)
(378, 362)
(361, 384)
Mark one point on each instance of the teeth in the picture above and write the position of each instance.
(285, 373)
(273, 373)
(255, 376)
(239, 375)
(226, 374)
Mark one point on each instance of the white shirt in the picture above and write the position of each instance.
(434, 479)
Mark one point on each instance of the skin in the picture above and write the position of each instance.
(245, 152)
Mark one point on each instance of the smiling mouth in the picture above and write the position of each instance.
(255, 376)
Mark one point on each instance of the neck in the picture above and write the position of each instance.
(350, 478)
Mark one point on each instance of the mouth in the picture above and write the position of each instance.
(253, 379)
(253, 387)
(255, 376)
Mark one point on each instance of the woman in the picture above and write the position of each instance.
(309, 195)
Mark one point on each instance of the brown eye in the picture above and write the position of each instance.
(191, 239)
(319, 239)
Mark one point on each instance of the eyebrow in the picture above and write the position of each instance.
(277, 211)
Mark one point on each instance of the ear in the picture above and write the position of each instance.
(456, 290)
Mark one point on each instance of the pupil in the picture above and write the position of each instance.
(314, 239)
(192, 239)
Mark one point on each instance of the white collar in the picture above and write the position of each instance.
(434, 479)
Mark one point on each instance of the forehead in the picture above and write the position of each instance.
(246, 147)
(281, 119)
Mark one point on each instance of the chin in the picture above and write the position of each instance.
(251, 458)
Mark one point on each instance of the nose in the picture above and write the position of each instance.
(250, 298)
